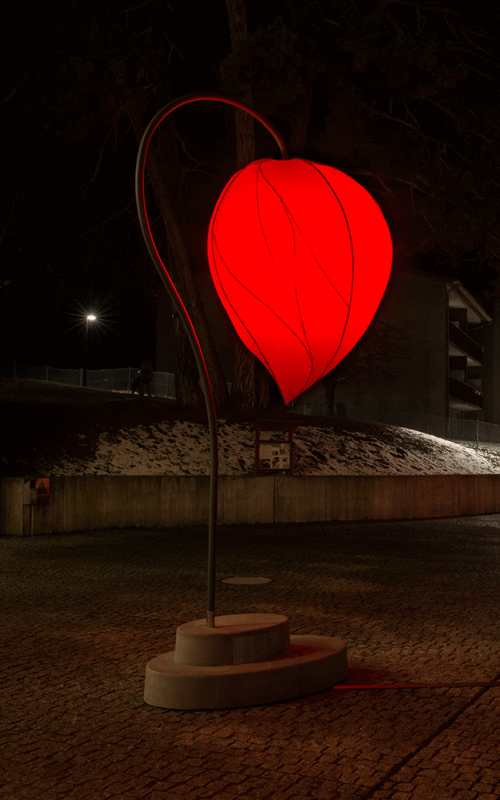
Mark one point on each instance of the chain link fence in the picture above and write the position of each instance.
(114, 380)
(473, 433)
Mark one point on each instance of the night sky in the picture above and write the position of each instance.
(70, 239)
(71, 243)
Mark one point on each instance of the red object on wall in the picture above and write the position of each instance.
(300, 255)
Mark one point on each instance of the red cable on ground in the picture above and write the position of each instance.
(479, 684)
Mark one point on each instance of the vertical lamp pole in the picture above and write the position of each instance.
(88, 318)
(182, 311)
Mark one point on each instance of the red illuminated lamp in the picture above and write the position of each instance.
(300, 255)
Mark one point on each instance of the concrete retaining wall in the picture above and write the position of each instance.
(99, 502)
(309, 499)
(11, 506)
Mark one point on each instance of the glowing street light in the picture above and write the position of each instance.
(183, 313)
(88, 318)
(300, 255)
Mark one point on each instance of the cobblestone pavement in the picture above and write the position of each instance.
(415, 602)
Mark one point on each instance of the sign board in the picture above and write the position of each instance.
(274, 455)
(30, 497)
(273, 446)
(35, 490)
(42, 487)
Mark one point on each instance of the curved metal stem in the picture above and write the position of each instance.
(182, 311)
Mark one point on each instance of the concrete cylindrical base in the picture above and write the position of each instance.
(235, 639)
(276, 666)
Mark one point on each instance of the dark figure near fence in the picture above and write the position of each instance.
(142, 380)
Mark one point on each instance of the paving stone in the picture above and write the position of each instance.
(415, 602)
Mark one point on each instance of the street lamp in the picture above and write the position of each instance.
(300, 255)
(319, 257)
(88, 318)
(183, 313)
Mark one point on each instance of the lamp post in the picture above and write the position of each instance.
(300, 255)
(88, 318)
(183, 313)
(250, 659)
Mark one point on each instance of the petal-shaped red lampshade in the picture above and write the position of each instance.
(300, 255)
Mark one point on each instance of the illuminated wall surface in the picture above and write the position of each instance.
(300, 255)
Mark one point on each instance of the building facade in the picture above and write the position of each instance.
(429, 351)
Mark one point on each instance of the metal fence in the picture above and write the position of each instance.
(117, 380)
(473, 433)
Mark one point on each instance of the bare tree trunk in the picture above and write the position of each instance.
(187, 385)
(250, 379)
(300, 127)
(262, 386)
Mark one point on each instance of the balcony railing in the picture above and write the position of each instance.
(465, 393)
(463, 342)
